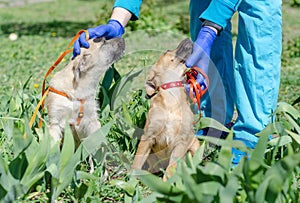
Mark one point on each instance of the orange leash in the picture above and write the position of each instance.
(196, 91)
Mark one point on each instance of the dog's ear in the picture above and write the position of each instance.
(184, 49)
(80, 65)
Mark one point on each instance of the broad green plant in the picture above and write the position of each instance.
(259, 177)
(34, 160)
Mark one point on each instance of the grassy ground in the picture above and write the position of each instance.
(45, 29)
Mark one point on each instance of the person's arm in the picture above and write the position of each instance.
(121, 15)
(215, 19)
(220, 11)
(133, 6)
(122, 12)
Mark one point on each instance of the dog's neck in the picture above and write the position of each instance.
(86, 86)
(170, 77)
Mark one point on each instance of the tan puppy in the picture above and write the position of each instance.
(73, 89)
(168, 133)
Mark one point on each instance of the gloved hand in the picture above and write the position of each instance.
(201, 53)
(112, 29)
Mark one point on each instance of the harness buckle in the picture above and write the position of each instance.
(80, 115)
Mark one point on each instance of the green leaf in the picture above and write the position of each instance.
(126, 114)
(108, 78)
(279, 174)
(294, 124)
(214, 172)
(93, 142)
(210, 188)
(68, 148)
(85, 176)
(105, 98)
(37, 155)
(228, 193)
(225, 154)
(280, 141)
(287, 108)
(212, 123)
(122, 88)
(198, 156)
(158, 185)
(26, 82)
(88, 146)
(18, 166)
(262, 190)
(117, 75)
(254, 167)
(20, 144)
(270, 129)
(295, 136)
(257, 156)
(53, 170)
(128, 187)
(191, 187)
(3, 192)
(298, 99)
(66, 174)
(53, 161)
(6, 179)
(152, 198)
(14, 192)
(228, 143)
(8, 127)
(81, 191)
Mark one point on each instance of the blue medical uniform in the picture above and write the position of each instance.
(249, 79)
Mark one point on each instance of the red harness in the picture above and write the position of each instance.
(81, 109)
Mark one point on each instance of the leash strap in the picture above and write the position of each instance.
(51, 89)
(196, 91)
(36, 111)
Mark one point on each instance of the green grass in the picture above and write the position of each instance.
(45, 30)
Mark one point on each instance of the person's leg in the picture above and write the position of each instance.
(257, 67)
(218, 103)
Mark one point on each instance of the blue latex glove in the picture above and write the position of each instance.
(112, 29)
(201, 53)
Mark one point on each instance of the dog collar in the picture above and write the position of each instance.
(166, 86)
(171, 85)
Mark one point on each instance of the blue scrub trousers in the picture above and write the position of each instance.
(249, 81)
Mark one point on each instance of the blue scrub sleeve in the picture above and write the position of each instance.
(133, 6)
(220, 11)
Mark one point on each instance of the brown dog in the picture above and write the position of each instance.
(168, 133)
(73, 89)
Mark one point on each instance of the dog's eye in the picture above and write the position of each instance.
(87, 54)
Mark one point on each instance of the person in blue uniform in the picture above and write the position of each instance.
(247, 80)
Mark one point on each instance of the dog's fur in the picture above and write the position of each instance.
(168, 133)
(79, 80)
